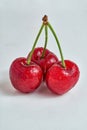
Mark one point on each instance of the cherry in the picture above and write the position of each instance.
(40, 55)
(45, 62)
(26, 75)
(37, 54)
(25, 78)
(60, 80)
(62, 76)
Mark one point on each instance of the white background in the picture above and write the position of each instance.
(19, 23)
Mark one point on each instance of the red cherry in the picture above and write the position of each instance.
(25, 78)
(44, 62)
(37, 54)
(60, 80)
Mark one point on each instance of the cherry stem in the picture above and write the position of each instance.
(31, 53)
(59, 47)
(46, 40)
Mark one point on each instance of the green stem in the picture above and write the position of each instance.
(59, 47)
(31, 53)
(46, 40)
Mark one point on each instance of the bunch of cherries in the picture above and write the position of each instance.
(42, 65)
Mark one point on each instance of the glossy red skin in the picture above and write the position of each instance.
(47, 61)
(60, 80)
(25, 78)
